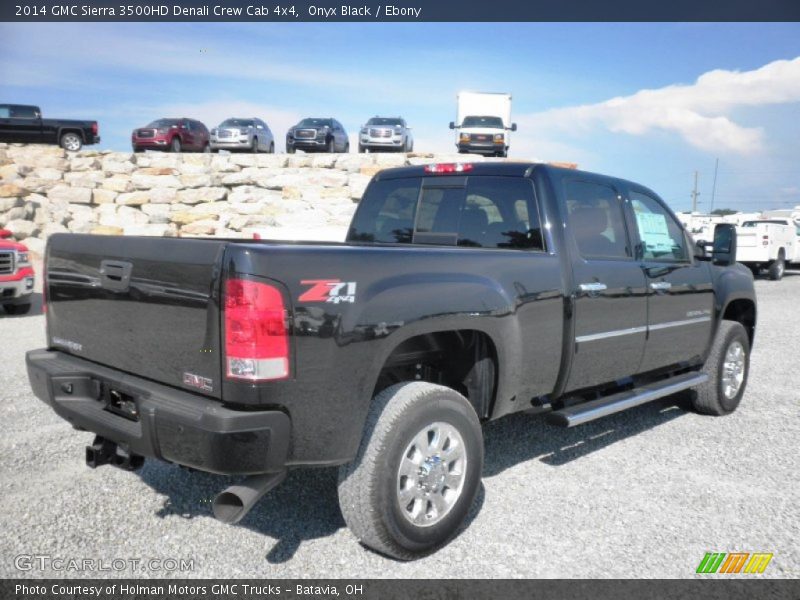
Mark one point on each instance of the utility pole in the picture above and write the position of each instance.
(714, 186)
(695, 194)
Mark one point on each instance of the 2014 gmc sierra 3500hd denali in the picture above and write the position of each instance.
(463, 293)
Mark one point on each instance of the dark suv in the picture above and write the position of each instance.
(317, 135)
(174, 135)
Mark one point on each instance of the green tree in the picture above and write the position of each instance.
(723, 212)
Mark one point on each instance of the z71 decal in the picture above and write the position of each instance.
(328, 290)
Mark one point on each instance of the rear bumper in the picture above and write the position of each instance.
(173, 425)
(16, 292)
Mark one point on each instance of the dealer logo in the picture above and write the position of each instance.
(730, 563)
(329, 290)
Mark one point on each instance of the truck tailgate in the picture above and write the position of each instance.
(147, 306)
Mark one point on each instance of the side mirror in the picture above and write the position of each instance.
(723, 251)
(37, 115)
(513, 127)
(452, 125)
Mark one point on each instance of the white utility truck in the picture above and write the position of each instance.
(767, 244)
(483, 123)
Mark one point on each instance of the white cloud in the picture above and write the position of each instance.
(699, 113)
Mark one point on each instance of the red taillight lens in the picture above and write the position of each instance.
(442, 168)
(94, 128)
(256, 333)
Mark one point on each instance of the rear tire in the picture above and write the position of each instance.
(71, 142)
(727, 367)
(777, 268)
(18, 309)
(417, 470)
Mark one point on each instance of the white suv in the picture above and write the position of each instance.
(388, 133)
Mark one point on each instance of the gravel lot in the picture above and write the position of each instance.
(640, 494)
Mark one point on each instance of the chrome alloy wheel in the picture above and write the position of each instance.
(733, 370)
(431, 474)
(72, 142)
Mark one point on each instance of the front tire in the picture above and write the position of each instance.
(254, 146)
(416, 472)
(175, 144)
(71, 142)
(290, 150)
(272, 148)
(727, 367)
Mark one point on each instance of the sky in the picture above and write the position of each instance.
(644, 101)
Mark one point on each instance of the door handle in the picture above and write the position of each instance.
(660, 285)
(593, 287)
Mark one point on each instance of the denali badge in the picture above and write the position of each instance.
(196, 381)
(329, 290)
(68, 344)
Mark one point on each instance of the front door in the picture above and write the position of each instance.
(610, 295)
(680, 295)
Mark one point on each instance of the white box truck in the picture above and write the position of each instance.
(483, 123)
(766, 244)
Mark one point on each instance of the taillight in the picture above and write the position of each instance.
(256, 332)
(94, 128)
(765, 240)
(44, 286)
(442, 168)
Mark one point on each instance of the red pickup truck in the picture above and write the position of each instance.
(16, 275)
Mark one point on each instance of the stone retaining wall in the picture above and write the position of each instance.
(44, 190)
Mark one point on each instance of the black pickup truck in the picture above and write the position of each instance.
(24, 123)
(464, 292)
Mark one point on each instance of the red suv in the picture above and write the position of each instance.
(174, 135)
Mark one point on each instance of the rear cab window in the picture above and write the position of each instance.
(472, 212)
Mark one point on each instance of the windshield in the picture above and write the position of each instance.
(314, 123)
(237, 123)
(385, 121)
(161, 123)
(489, 122)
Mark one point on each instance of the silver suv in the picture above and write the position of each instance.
(388, 133)
(250, 135)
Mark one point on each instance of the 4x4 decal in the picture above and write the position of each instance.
(328, 290)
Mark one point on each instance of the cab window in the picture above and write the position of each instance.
(596, 218)
(661, 237)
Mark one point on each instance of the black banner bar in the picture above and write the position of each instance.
(398, 10)
(714, 588)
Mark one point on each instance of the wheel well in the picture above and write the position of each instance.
(63, 132)
(464, 360)
(744, 312)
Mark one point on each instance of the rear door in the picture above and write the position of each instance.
(147, 306)
(609, 297)
(680, 295)
(25, 124)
